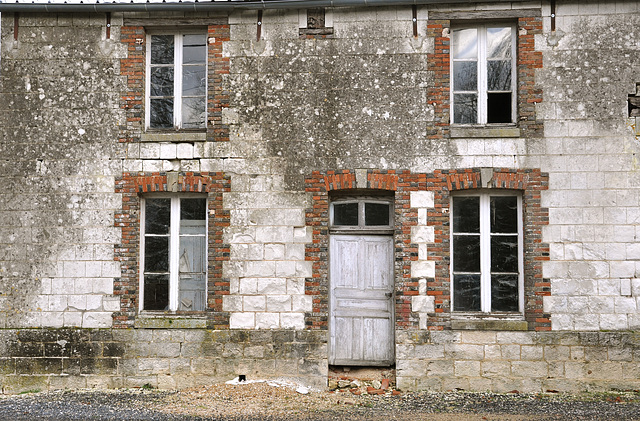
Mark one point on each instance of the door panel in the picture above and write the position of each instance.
(361, 321)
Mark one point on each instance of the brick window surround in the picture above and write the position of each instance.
(132, 186)
(133, 68)
(527, 61)
(530, 182)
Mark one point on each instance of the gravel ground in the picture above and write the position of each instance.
(260, 401)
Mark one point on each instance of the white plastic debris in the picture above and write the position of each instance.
(303, 390)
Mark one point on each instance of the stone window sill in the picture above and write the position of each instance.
(170, 321)
(473, 322)
(161, 136)
(484, 131)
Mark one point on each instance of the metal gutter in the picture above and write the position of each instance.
(212, 5)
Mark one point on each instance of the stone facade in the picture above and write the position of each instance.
(307, 105)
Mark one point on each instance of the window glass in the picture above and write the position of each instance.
(466, 292)
(162, 49)
(345, 214)
(466, 109)
(486, 253)
(465, 75)
(175, 262)
(157, 216)
(465, 43)
(376, 213)
(499, 42)
(466, 214)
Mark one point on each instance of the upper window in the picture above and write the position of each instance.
(174, 253)
(176, 81)
(487, 260)
(483, 76)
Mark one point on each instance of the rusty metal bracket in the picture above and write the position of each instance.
(16, 18)
(414, 9)
(553, 15)
(108, 25)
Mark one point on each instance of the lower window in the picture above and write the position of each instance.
(487, 263)
(173, 258)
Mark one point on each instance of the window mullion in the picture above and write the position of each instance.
(520, 255)
(174, 245)
(485, 254)
(142, 253)
(177, 93)
(482, 75)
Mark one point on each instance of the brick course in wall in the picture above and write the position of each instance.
(132, 186)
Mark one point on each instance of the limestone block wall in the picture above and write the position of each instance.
(59, 127)
(524, 361)
(590, 153)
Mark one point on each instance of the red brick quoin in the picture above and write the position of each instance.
(441, 182)
(132, 186)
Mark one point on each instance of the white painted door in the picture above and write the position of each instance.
(361, 285)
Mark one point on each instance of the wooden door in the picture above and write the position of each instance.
(361, 291)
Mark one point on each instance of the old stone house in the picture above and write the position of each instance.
(193, 191)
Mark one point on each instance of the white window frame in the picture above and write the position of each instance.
(485, 250)
(174, 248)
(482, 74)
(177, 79)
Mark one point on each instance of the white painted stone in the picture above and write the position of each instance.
(242, 321)
(111, 269)
(272, 286)
(422, 199)
(600, 304)
(53, 319)
(423, 269)
(231, 303)
(292, 320)
(267, 320)
(278, 303)
(625, 305)
(294, 252)
(295, 286)
(184, 151)
(614, 322)
(301, 303)
(260, 268)
(57, 303)
(609, 286)
(254, 303)
(625, 287)
(285, 268)
(553, 304)
(274, 234)
(248, 286)
(111, 303)
(274, 251)
(96, 320)
(623, 269)
(422, 216)
(586, 322)
(635, 287)
(302, 234)
(94, 302)
(72, 319)
(102, 286)
(74, 269)
(167, 151)
(422, 234)
(423, 303)
(422, 286)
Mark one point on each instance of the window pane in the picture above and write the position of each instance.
(466, 214)
(192, 291)
(161, 113)
(499, 108)
(466, 253)
(156, 292)
(345, 214)
(193, 113)
(504, 214)
(504, 253)
(161, 49)
(465, 43)
(162, 81)
(499, 75)
(465, 75)
(466, 292)
(193, 80)
(193, 209)
(504, 293)
(192, 254)
(465, 108)
(156, 254)
(376, 214)
(498, 42)
(157, 216)
(194, 49)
